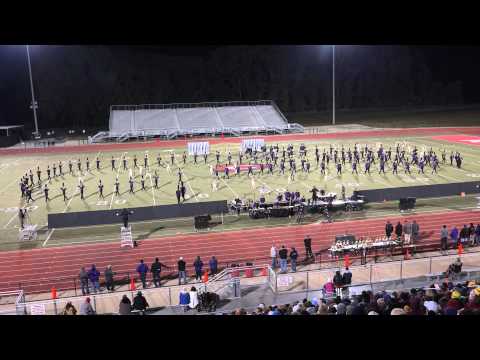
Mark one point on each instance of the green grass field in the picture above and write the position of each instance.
(198, 183)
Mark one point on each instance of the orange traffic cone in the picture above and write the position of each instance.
(54, 293)
(205, 276)
(407, 255)
(132, 284)
(347, 261)
(460, 249)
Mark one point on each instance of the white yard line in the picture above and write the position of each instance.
(233, 192)
(69, 201)
(113, 193)
(11, 219)
(48, 237)
(190, 186)
(153, 190)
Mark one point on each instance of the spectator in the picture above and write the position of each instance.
(293, 259)
(109, 282)
(84, 281)
(388, 229)
(415, 231)
(140, 303)
(273, 255)
(431, 305)
(213, 264)
(125, 307)
(398, 231)
(94, 276)
(156, 270)
(328, 288)
(347, 277)
(308, 248)
(464, 235)
(454, 304)
(198, 265)
(283, 254)
(444, 238)
(69, 309)
(193, 298)
(477, 235)
(142, 270)
(184, 299)
(86, 308)
(454, 236)
(407, 232)
(471, 234)
(338, 282)
(397, 311)
(182, 274)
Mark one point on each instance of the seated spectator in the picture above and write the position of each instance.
(328, 288)
(193, 298)
(69, 309)
(140, 303)
(125, 307)
(86, 308)
(184, 299)
(338, 282)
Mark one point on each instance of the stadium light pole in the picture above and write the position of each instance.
(333, 84)
(34, 103)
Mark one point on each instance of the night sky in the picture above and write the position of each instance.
(71, 87)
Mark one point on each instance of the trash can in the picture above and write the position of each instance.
(235, 273)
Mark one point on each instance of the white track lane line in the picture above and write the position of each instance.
(48, 237)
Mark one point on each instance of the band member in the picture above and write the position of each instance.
(130, 181)
(70, 165)
(172, 157)
(145, 160)
(178, 193)
(322, 167)
(100, 188)
(195, 158)
(64, 192)
(184, 157)
(238, 170)
(54, 170)
(229, 158)
(124, 159)
(159, 160)
(179, 175)
(205, 156)
(22, 188)
(155, 177)
(39, 174)
(217, 155)
(31, 176)
(354, 167)
(395, 167)
(135, 161)
(48, 173)
(117, 187)
(113, 163)
(21, 217)
(407, 167)
(45, 190)
(28, 194)
(339, 168)
(142, 182)
(81, 187)
(183, 190)
(250, 170)
(60, 168)
(88, 164)
(227, 171)
(98, 163)
(79, 165)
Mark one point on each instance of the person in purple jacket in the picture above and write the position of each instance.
(94, 276)
(454, 235)
(142, 270)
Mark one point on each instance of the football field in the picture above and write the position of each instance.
(198, 181)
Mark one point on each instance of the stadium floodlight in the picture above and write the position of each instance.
(34, 105)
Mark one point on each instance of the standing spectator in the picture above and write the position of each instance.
(415, 231)
(388, 229)
(444, 238)
(156, 270)
(454, 236)
(477, 234)
(338, 282)
(125, 307)
(84, 281)
(328, 288)
(86, 308)
(398, 231)
(193, 298)
(69, 309)
(283, 254)
(198, 265)
(109, 282)
(308, 247)
(273, 255)
(182, 274)
(142, 270)
(94, 276)
(464, 235)
(347, 277)
(293, 259)
(471, 233)
(407, 232)
(184, 299)
(140, 303)
(213, 264)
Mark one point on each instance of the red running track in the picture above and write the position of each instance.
(25, 266)
(234, 140)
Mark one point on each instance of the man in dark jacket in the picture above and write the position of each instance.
(293, 259)
(94, 276)
(388, 229)
(283, 254)
(415, 231)
(308, 247)
(142, 270)
(140, 303)
(213, 264)
(84, 281)
(398, 231)
(198, 265)
(109, 282)
(181, 271)
(156, 270)
(338, 282)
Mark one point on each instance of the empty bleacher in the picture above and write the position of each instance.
(172, 120)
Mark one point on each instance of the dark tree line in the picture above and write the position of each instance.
(75, 85)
